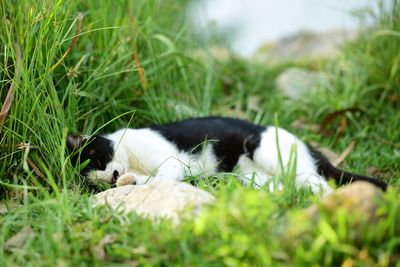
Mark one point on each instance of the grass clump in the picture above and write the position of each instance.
(245, 227)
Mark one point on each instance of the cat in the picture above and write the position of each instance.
(203, 147)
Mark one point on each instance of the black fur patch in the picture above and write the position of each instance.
(97, 149)
(230, 137)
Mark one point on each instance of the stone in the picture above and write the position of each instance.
(18, 240)
(305, 45)
(297, 82)
(159, 199)
(360, 198)
(342, 217)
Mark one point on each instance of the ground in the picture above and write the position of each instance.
(135, 63)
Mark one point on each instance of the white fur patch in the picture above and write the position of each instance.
(266, 157)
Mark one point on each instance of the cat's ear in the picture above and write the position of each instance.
(75, 141)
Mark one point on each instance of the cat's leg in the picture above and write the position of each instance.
(133, 178)
(267, 155)
(106, 176)
(162, 174)
(171, 169)
(257, 180)
(112, 171)
(252, 174)
(314, 181)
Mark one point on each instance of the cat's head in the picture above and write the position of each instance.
(96, 153)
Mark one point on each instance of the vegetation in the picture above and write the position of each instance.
(132, 63)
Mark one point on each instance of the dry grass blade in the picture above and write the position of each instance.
(20, 146)
(334, 158)
(142, 75)
(344, 154)
(141, 72)
(37, 170)
(10, 94)
(25, 145)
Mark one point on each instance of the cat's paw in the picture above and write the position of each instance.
(125, 179)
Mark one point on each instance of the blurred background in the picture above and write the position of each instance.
(251, 24)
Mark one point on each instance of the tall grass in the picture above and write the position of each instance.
(121, 53)
(378, 51)
(367, 70)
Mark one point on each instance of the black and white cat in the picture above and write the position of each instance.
(202, 147)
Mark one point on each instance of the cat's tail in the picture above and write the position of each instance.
(326, 169)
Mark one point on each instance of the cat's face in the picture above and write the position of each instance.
(97, 152)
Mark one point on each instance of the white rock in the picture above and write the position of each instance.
(295, 83)
(160, 199)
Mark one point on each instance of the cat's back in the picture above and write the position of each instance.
(187, 134)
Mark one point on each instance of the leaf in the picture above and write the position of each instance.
(328, 232)
(344, 154)
(333, 115)
(84, 164)
(19, 239)
(334, 158)
(167, 42)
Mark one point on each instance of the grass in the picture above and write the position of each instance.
(133, 64)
